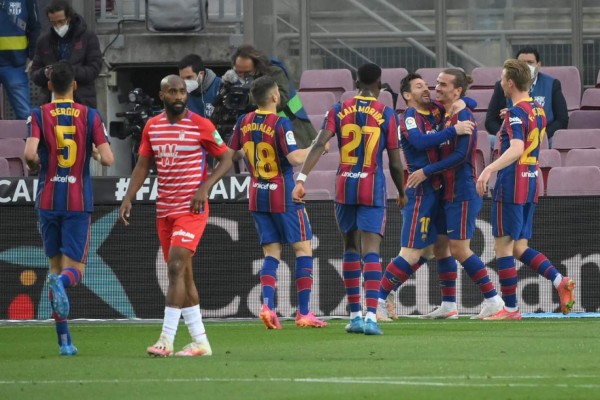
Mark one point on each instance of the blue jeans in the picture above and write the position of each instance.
(15, 82)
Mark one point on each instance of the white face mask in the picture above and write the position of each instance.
(61, 31)
(191, 85)
(532, 69)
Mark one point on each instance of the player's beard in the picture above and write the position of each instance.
(175, 108)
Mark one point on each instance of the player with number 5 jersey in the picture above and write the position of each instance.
(268, 145)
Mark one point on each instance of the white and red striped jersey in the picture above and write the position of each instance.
(180, 151)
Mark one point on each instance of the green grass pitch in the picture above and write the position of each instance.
(463, 359)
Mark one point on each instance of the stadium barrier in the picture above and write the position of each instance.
(126, 275)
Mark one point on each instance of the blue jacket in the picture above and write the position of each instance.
(200, 100)
(19, 30)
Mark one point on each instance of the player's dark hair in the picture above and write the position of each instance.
(529, 50)
(192, 60)
(60, 5)
(368, 74)
(518, 72)
(261, 89)
(461, 80)
(259, 59)
(62, 77)
(405, 84)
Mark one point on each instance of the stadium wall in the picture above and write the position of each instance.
(126, 275)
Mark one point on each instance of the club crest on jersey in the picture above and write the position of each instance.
(410, 123)
(289, 138)
(167, 154)
(181, 135)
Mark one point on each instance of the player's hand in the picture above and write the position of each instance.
(401, 200)
(416, 178)
(96, 154)
(124, 211)
(464, 127)
(197, 202)
(482, 181)
(326, 148)
(457, 106)
(298, 193)
(503, 113)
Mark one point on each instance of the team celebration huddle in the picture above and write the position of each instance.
(440, 199)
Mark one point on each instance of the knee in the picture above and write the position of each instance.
(176, 268)
(459, 251)
(518, 250)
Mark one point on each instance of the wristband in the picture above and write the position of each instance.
(301, 177)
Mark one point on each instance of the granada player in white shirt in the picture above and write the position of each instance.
(179, 141)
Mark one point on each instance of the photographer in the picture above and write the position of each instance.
(249, 64)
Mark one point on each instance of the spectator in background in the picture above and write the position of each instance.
(19, 31)
(70, 40)
(202, 84)
(249, 64)
(544, 90)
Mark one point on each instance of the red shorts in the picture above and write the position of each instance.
(183, 230)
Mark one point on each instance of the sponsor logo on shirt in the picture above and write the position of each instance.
(354, 175)
(410, 123)
(264, 186)
(190, 236)
(529, 174)
(63, 179)
(289, 138)
(167, 154)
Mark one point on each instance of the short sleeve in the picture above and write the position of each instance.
(99, 134)
(210, 138)
(145, 147)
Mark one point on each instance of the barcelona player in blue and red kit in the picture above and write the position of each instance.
(364, 128)
(516, 192)
(461, 204)
(420, 138)
(269, 146)
(61, 143)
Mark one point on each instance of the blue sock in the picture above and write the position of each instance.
(539, 263)
(372, 280)
(476, 270)
(304, 280)
(268, 280)
(62, 331)
(447, 271)
(351, 271)
(508, 280)
(70, 276)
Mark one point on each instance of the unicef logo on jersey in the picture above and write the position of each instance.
(355, 175)
(14, 7)
(265, 186)
(64, 179)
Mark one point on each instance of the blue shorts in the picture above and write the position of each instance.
(289, 227)
(418, 221)
(351, 217)
(514, 220)
(65, 232)
(459, 218)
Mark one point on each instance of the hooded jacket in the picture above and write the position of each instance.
(81, 48)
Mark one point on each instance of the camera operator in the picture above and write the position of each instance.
(249, 64)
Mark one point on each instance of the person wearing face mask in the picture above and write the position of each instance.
(19, 31)
(544, 89)
(202, 84)
(70, 40)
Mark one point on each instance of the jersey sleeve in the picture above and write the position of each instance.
(515, 124)
(330, 122)
(33, 128)
(414, 132)
(145, 147)
(210, 138)
(235, 141)
(99, 134)
(285, 136)
(392, 125)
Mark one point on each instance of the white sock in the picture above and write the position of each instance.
(493, 300)
(511, 309)
(371, 316)
(354, 314)
(170, 322)
(381, 302)
(557, 280)
(193, 320)
(449, 305)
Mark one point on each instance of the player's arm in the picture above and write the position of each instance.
(297, 157)
(397, 173)
(493, 120)
(138, 176)
(418, 139)
(313, 156)
(105, 155)
(201, 196)
(30, 154)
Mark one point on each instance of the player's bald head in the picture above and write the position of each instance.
(170, 81)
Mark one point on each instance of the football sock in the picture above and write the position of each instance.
(268, 280)
(447, 272)
(304, 281)
(62, 330)
(372, 279)
(351, 274)
(540, 264)
(193, 320)
(476, 270)
(396, 273)
(70, 276)
(508, 281)
(170, 322)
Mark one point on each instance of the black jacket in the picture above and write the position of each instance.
(85, 57)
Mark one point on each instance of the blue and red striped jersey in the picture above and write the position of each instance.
(517, 183)
(364, 128)
(266, 140)
(66, 131)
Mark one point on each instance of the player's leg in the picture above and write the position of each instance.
(351, 266)
(447, 274)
